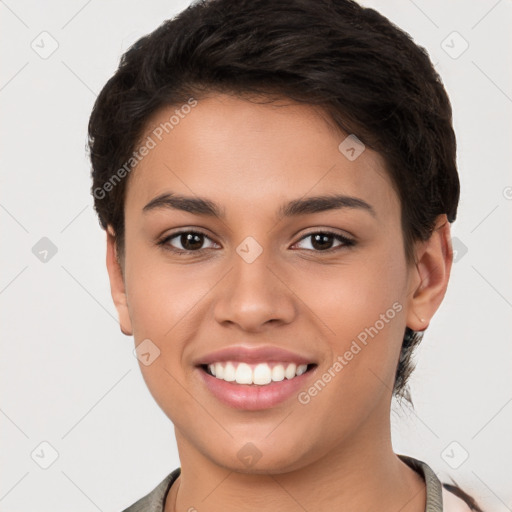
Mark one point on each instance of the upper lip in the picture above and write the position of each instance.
(253, 355)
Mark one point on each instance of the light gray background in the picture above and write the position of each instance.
(68, 374)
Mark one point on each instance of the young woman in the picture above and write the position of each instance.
(277, 182)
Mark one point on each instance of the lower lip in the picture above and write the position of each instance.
(254, 397)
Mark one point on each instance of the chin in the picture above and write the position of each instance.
(256, 459)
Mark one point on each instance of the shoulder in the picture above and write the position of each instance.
(441, 497)
(154, 501)
(456, 500)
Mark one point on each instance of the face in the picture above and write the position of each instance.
(277, 274)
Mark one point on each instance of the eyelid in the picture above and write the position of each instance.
(328, 231)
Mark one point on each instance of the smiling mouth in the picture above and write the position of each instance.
(260, 374)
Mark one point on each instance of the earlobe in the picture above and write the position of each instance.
(429, 279)
(117, 286)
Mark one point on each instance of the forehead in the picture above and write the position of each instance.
(254, 154)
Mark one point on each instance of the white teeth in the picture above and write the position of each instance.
(243, 374)
(229, 372)
(261, 374)
(302, 369)
(219, 370)
(289, 373)
(278, 373)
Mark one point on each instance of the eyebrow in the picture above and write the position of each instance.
(203, 206)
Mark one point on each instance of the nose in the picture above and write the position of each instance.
(254, 295)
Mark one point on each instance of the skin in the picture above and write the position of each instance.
(335, 452)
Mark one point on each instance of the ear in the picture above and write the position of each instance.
(117, 287)
(429, 278)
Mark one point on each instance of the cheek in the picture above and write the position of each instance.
(359, 309)
(163, 304)
(362, 318)
(161, 295)
(352, 296)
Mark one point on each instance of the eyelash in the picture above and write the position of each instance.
(347, 242)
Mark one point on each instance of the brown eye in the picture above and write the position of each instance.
(186, 241)
(191, 241)
(323, 241)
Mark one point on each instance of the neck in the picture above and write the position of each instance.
(362, 474)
